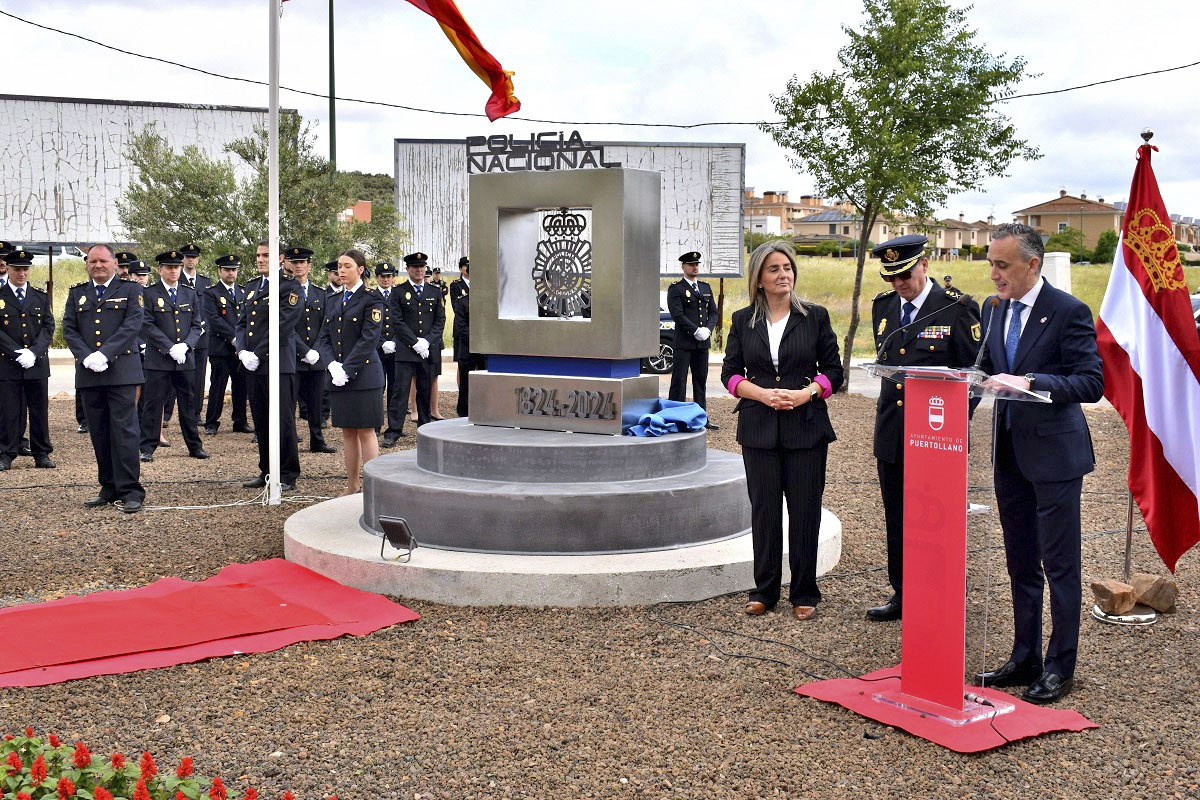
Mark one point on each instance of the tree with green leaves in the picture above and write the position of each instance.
(1106, 247)
(186, 196)
(1068, 240)
(910, 118)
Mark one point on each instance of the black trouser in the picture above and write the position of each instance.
(289, 455)
(309, 386)
(159, 384)
(201, 356)
(1041, 525)
(891, 487)
(226, 370)
(697, 361)
(111, 416)
(773, 474)
(23, 422)
(473, 361)
(21, 399)
(406, 373)
(391, 397)
(79, 416)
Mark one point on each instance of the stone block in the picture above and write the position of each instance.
(1113, 597)
(1155, 591)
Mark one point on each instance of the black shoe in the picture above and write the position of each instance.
(242, 429)
(163, 443)
(254, 439)
(201, 453)
(44, 462)
(131, 506)
(24, 451)
(257, 483)
(712, 426)
(210, 430)
(96, 502)
(1011, 674)
(1049, 688)
(147, 457)
(5, 463)
(887, 612)
(286, 487)
(324, 424)
(320, 447)
(389, 440)
(82, 428)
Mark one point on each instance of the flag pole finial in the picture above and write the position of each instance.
(1147, 135)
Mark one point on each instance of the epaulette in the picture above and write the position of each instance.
(81, 283)
(953, 292)
(882, 295)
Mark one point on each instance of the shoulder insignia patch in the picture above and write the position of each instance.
(293, 298)
(882, 326)
(82, 299)
(882, 295)
(975, 331)
(376, 314)
(141, 302)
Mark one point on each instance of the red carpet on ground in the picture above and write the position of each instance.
(245, 608)
(1023, 722)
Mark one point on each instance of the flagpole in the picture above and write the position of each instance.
(272, 434)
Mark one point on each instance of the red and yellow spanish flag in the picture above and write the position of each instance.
(502, 102)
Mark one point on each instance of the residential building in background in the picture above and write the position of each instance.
(1093, 217)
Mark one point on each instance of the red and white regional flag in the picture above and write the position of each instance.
(1147, 340)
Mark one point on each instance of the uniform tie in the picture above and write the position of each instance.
(1014, 333)
(21, 296)
(906, 317)
(171, 292)
(99, 291)
(304, 290)
(346, 298)
(387, 293)
(417, 290)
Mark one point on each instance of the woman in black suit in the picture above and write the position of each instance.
(349, 340)
(782, 362)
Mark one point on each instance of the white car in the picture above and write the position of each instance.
(41, 252)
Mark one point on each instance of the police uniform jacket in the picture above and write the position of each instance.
(458, 287)
(253, 325)
(388, 330)
(166, 324)
(808, 348)
(110, 325)
(460, 301)
(351, 335)
(25, 327)
(414, 318)
(222, 312)
(691, 310)
(200, 285)
(308, 330)
(948, 338)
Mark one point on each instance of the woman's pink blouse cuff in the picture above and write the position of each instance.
(733, 384)
(826, 386)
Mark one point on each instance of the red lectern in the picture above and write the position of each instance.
(933, 636)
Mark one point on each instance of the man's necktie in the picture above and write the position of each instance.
(417, 290)
(171, 292)
(387, 293)
(304, 289)
(21, 296)
(1014, 333)
(907, 316)
(99, 292)
(346, 298)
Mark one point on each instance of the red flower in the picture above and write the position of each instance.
(24, 796)
(185, 767)
(289, 796)
(29, 733)
(180, 796)
(15, 761)
(54, 741)
(8, 737)
(65, 788)
(217, 792)
(83, 756)
(140, 792)
(251, 794)
(149, 768)
(38, 770)
(100, 793)
(118, 761)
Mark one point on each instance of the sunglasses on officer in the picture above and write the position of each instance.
(899, 276)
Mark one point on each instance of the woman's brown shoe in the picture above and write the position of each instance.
(755, 608)
(804, 612)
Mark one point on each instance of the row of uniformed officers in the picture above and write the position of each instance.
(349, 340)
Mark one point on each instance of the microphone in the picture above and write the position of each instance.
(995, 301)
(971, 697)
(963, 299)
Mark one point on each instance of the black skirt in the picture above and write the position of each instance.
(361, 408)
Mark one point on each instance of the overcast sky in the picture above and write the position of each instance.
(663, 61)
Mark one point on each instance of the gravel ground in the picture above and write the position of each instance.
(540, 703)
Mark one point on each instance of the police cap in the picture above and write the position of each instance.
(690, 257)
(416, 260)
(297, 254)
(191, 250)
(900, 254)
(171, 258)
(20, 259)
(139, 267)
(385, 268)
(231, 261)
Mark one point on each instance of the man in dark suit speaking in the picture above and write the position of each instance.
(1039, 338)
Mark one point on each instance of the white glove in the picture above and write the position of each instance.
(421, 347)
(142, 348)
(178, 352)
(96, 362)
(702, 334)
(25, 358)
(338, 373)
(248, 359)
(311, 357)
(389, 347)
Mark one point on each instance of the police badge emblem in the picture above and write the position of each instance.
(376, 315)
(975, 331)
(562, 266)
(293, 298)
(890, 254)
(161, 304)
(882, 325)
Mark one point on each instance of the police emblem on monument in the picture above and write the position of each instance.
(562, 268)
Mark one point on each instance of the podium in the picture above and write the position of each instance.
(933, 633)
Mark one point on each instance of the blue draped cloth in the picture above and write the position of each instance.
(669, 416)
